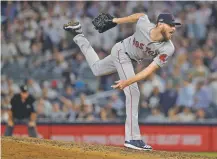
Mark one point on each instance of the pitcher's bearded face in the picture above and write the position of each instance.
(167, 31)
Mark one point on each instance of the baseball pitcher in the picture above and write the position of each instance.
(149, 41)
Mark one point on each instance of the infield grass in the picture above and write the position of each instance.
(208, 154)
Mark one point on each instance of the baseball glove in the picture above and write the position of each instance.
(103, 22)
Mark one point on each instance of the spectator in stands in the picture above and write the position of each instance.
(201, 20)
(47, 107)
(168, 97)
(5, 105)
(69, 108)
(117, 104)
(198, 70)
(172, 115)
(186, 93)
(34, 87)
(186, 115)
(4, 114)
(144, 109)
(154, 98)
(182, 62)
(152, 81)
(69, 93)
(213, 88)
(40, 111)
(33, 46)
(208, 57)
(13, 86)
(176, 76)
(60, 63)
(86, 113)
(8, 85)
(156, 115)
(111, 113)
(103, 115)
(4, 86)
(200, 115)
(57, 115)
(203, 96)
(12, 7)
(10, 51)
(48, 93)
(53, 34)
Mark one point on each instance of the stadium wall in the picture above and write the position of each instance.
(169, 137)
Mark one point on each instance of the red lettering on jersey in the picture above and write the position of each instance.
(141, 46)
(138, 44)
(134, 41)
(163, 57)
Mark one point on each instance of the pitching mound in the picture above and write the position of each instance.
(30, 148)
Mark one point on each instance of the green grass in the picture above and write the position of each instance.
(208, 154)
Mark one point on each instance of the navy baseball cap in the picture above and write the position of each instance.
(24, 88)
(167, 18)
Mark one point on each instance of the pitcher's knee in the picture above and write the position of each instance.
(95, 69)
(135, 90)
(137, 94)
(96, 73)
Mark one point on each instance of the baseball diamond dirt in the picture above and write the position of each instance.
(30, 148)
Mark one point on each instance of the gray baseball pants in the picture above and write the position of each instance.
(31, 130)
(117, 61)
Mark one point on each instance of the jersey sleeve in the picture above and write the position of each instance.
(142, 22)
(33, 105)
(12, 102)
(143, 19)
(162, 58)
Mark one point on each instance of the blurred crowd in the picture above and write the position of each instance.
(36, 51)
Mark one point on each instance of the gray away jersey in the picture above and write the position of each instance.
(139, 46)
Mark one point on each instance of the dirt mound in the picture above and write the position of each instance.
(30, 148)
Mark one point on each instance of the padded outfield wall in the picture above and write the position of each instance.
(172, 137)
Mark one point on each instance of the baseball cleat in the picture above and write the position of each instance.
(73, 27)
(137, 145)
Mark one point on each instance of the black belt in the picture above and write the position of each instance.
(128, 54)
(130, 57)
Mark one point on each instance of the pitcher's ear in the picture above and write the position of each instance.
(159, 24)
